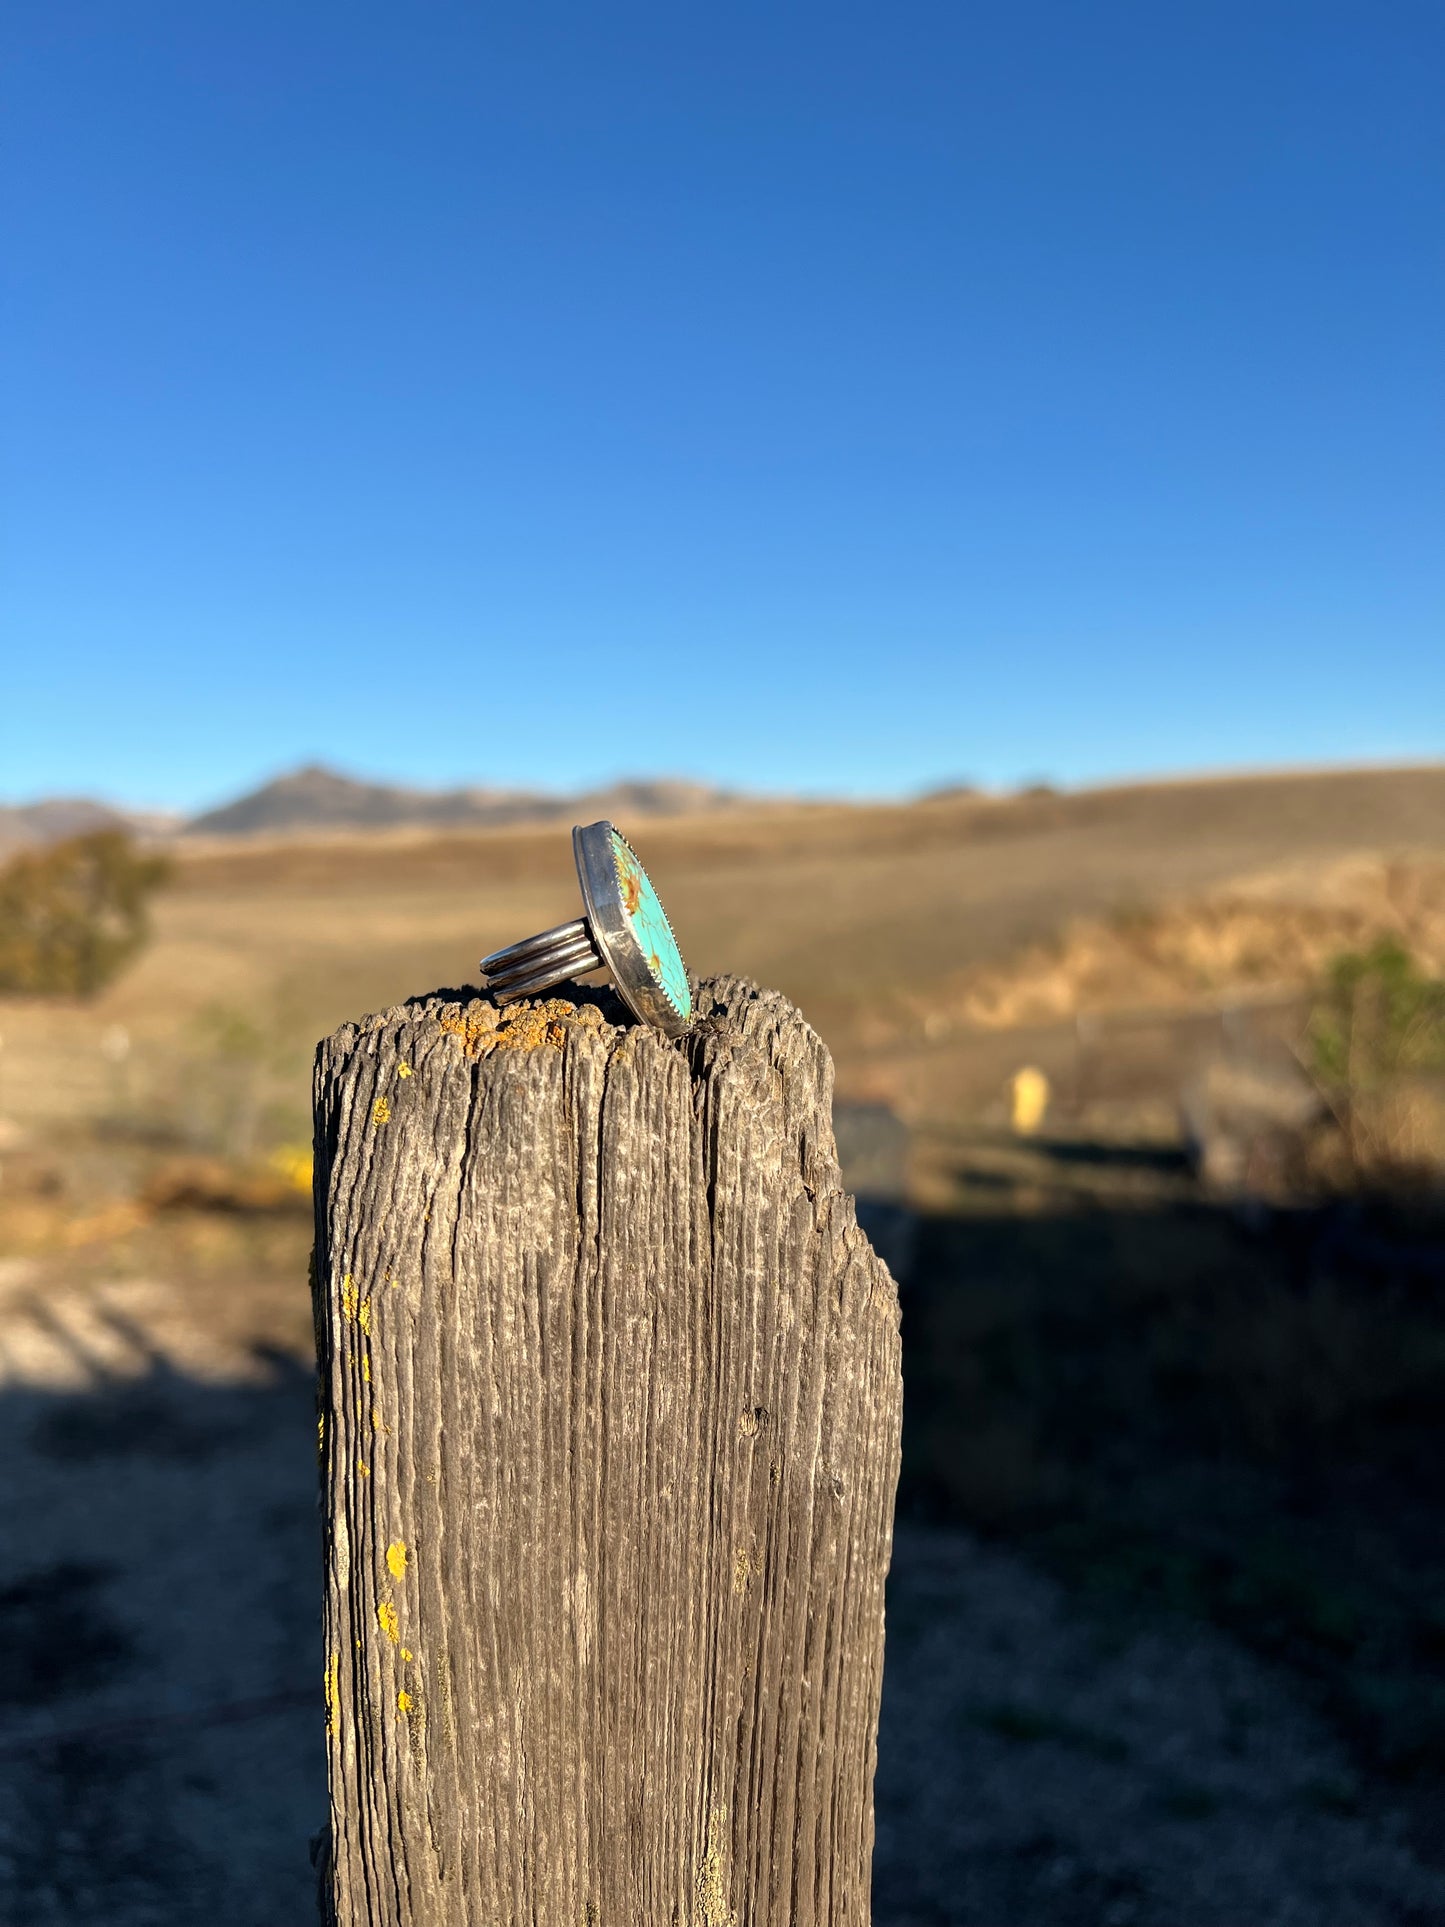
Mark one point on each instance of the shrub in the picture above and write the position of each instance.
(1377, 1044)
(1380, 1016)
(74, 914)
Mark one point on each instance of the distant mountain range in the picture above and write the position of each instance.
(316, 799)
(54, 817)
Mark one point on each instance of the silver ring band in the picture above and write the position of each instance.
(538, 962)
(624, 931)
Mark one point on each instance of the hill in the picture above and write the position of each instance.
(912, 934)
(316, 798)
(27, 825)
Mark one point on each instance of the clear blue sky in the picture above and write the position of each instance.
(811, 396)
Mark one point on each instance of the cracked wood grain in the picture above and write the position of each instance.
(609, 1414)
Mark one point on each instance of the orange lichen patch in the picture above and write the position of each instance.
(534, 1025)
(381, 1111)
(387, 1620)
(530, 1027)
(472, 1028)
(397, 1558)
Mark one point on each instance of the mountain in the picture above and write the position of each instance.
(25, 825)
(316, 798)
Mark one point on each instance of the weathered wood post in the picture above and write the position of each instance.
(610, 1405)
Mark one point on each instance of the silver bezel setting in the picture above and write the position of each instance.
(612, 932)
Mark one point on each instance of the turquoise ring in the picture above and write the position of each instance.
(625, 932)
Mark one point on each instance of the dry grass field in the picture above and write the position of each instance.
(876, 920)
(1164, 1633)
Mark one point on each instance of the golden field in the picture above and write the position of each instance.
(907, 933)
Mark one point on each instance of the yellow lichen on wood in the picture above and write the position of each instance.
(387, 1620)
(333, 1692)
(378, 1424)
(397, 1558)
(403, 1070)
(363, 1316)
(712, 1879)
(363, 1468)
(407, 1654)
(350, 1296)
(404, 1701)
(381, 1111)
(366, 1368)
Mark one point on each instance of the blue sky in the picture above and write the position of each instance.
(831, 397)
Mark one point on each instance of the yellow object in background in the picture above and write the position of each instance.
(293, 1163)
(1030, 1090)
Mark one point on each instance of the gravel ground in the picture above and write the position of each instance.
(160, 1733)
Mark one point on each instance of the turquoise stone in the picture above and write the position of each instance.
(651, 927)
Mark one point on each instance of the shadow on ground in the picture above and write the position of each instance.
(1176, 1469)
(1163, 1598)
(160, 1652)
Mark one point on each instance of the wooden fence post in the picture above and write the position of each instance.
(609, 1406)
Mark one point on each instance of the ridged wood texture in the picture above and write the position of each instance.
(610, 1418)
